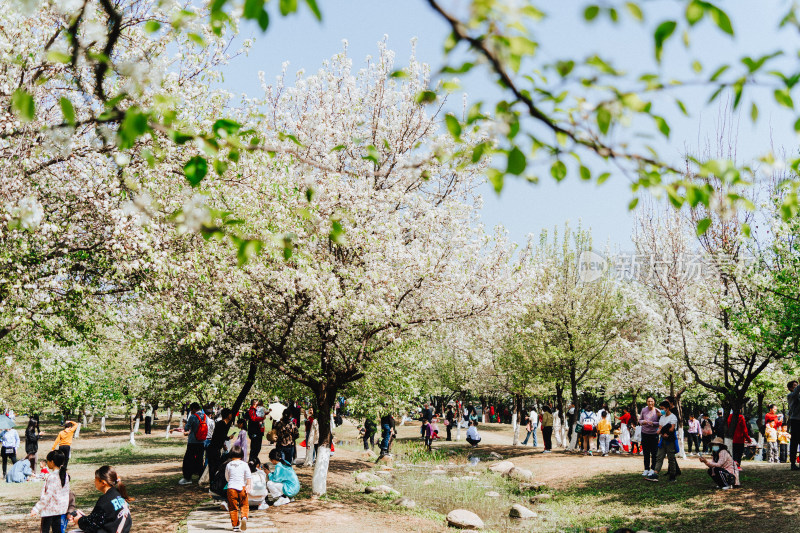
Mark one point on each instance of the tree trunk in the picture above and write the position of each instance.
(516, 418)
(131, 426)
(325, 399)
(103, 424)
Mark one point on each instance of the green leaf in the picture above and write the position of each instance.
(721, 19)
(152, 26)
(312, 5)
(263, 23)
(746, 230)
(195, 170)
(797, 126)
(229, 127)
(635, 11)
(372, 155)
(67, 110)
(591, 12)
(717, 73)
(601, 179)
(478, 151)
(453, 126)
(516, 162)
(288, 6)
(694, 12)
(496, 178)
(702, 226)
(558, 170)
(586, 174)
(754, 112)
(633, 203)
(663, 127)
(134, 125)
(252, 9)
(248, 249)
(220, 167)
(783, 97)
(196, 39)
(662, 33)
(565, 67)
(54, 56)
(338, 148)
(603, 119)
(426, 97)
(682, 107)
(22, 104)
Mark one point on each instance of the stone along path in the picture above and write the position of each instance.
(209, 517)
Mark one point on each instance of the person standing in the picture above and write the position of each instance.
(604, 432)
(287, 434)
(587, 424)
(547, 429)
(63, 441)
(196, 429)
(793, 402)
(449, 420)
(387, 431)
(32, 435)
(771, 435)
(693, 436)
(240, 482)
(534, 416)
(648, 421)
(719, 424)
(255, 427)
(668, 443)
(54, 499)
(214, 450)
(740, 437)
(9, 440)
(148, 419)
(369, 433)
(706, 433)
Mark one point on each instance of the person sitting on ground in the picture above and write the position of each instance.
(721, 466)
(111, 512)
(54, 500)
(43, 471)
(283, 484)
(240, 482)
(473, 438)
(614, 446)
(258, 490)
(21, 470)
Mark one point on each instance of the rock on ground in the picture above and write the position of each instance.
(368, 454)
(520, 474)
(367, 477)
(503, 467)
(380, 489)
(492, 494)
(463, 519)
(405, 502)
(538, 498)
(520, 511)
(496, 455)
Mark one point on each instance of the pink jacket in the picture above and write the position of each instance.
(726, 463)
(54, 500)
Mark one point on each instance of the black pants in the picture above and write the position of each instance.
(450, 430)
(67, 451)
(547, 436)
(255, 445)
(737, 452)
(51, 524)
(794, 428)
(6, 456)
(473, 442)
(193, 460)
(287, 452)
(707, 443)
(650, 448)
(369, 442)
(693, 438)
(148, 424)
(722, 477)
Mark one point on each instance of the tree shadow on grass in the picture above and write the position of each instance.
(690, 504)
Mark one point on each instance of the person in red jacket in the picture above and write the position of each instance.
(772, 415)
(255, 427)
(740, 437)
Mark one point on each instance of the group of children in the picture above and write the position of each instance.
(777, 436)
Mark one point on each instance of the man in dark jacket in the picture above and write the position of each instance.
(719, 424)
(793, 402)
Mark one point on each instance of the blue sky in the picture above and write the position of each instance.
(524, 208)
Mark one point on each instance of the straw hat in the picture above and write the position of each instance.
(616, 432)
(717, 440)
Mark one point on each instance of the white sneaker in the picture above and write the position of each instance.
(646, 473)
(243, 523)
(184, 481)
(225, 505)
(264, 505)
(283, 500)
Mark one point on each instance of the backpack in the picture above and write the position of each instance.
(588, 422)
(201, 433)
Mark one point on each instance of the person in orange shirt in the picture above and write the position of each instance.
(63, 441)
(604, 432)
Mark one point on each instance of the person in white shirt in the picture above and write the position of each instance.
(9, 440)
(240, 482)
(258, 491)
(533, 416)
(667, 446)
(472, 433)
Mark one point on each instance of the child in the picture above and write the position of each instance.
(240, 482)
(614, 446)
(241, 437)
(783, 442)
(772, 441)
(426, 434)
(435, 427)
(283, 484)
(258, 492)
(43, 471)
(54, 501)
(636, 438)
(604, 433)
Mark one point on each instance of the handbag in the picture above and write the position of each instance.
(272, 436)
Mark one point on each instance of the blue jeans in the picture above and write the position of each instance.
(525, 442)
(386, 437)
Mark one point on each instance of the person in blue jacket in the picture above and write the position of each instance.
(21, 470)
(282, 484)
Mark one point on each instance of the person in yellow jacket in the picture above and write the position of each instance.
(604, 432)
(63, 441)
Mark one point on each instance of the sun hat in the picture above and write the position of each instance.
(717, 440)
